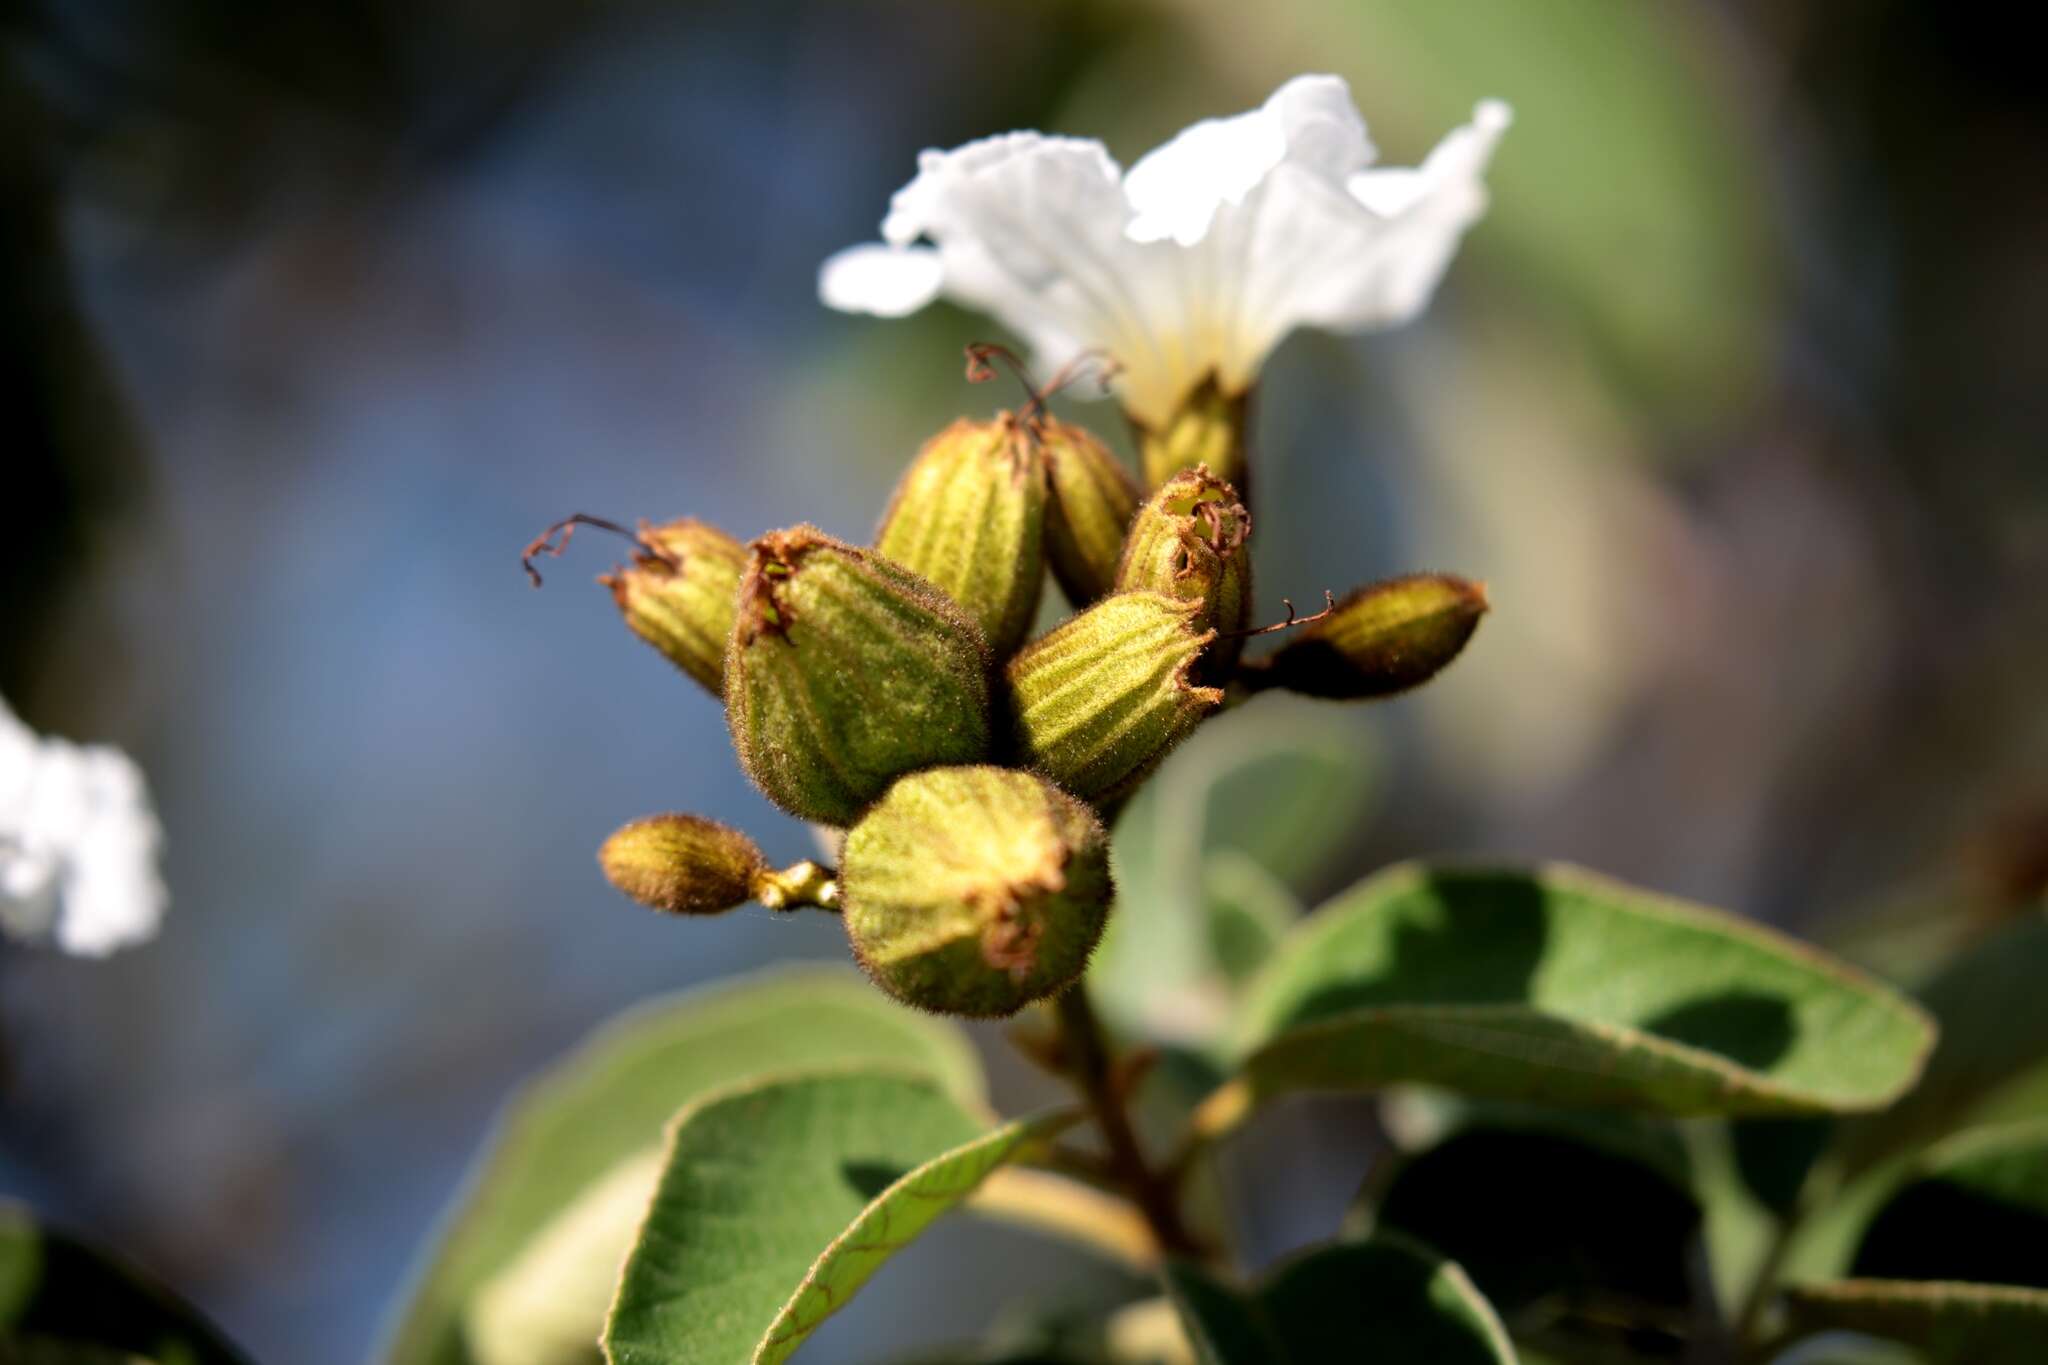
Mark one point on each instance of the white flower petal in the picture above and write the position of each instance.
(1427, 211)
(1176, 190)
(1201, 259)
(78, 844)
(888, 281)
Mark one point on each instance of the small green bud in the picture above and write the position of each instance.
(1097, 701)
(1189, 541)
(1207, 429)
(1381, 639)
(969, 515)
(683, 864)
(975, 891)
(1093, 498)
(846, 671)
(681, 600)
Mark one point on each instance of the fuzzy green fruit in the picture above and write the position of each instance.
(1097, 702)
(975, 891)
(969, 515)
(1092, 500)
(684, 864)
(682, 601)
(847, 671)
(1208, 429)
(1189, 541)
(1381, 639)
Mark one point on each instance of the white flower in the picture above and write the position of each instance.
(78, 844)
(1196, 262)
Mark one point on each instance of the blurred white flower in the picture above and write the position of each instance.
(1194, 264)
(78, 844)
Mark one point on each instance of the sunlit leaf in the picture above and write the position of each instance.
(1560, 987)
(610, 1099)
(779, 1199)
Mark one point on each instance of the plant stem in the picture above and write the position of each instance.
(1086, 1051)
(1750, 1317)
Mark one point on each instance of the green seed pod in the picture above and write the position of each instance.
(969, 515)
(1096, 702)
(683, 604)
(1381, 639)
(1207, 429)
(683, 864)
(1189, 541)
(975, 891)
(1093, 498)
(847, 671)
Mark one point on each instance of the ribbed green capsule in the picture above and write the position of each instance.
(684, 864)
(681, 600)
(1189, 541)
(1098, 701)
(846, 671)
(1092, 498)
(1207, 429)
(1381, 639)
(976, 890)
(969, 515)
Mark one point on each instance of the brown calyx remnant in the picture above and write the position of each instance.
(555, 539)
(763, 609)
(1217, 509)
(665, 564)
(1009, 943)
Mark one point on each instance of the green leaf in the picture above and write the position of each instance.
(1248, 910)
(547, 1306)
(1506, 1199)
(1282, 787)
(611, 1098)
(1384, 1299)
(1973, 1208)
(1952, 1323)
(778, 1200)
(1560, 987)
(1987, 1003)
(73, 1302)
(1419, 1118)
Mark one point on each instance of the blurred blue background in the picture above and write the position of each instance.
(1738, 400)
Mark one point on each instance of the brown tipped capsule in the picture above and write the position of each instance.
(680, 600)
(1096, 703)
(975, 891)
(1381, 639)
(1093, 498)
(846, 671)
(969, 515)
(1189, 541)
(683, 864)
(1207, 429)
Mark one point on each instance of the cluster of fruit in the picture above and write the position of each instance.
(891, 693)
